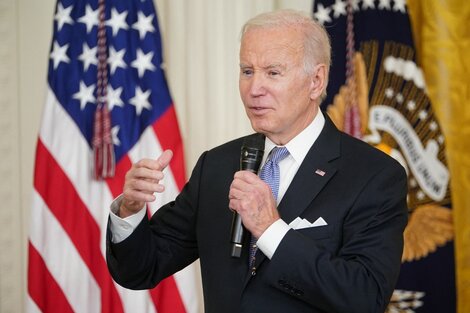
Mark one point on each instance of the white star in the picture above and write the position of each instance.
(433, 126)
(140, 100)
(399, 98)
(59, 54)
(440, 138)
(411, 105)
(399, 6)
(389, 92)
(422, 115)
(384, 4)
(90, 18)
(114, 135)
(117, 21)
(114, 97)
(339, 8)
(368, 4)
(63, 16)
(143, 62)
(115, 59)
(85, 95)
(143, 24)
(420, 195)
(355, 5)
(88, 56)
(323, 14)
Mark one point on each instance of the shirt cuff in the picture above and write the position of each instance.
(121, 228)
(271, 238)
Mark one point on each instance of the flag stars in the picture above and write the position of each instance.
(63, 16)
(422, 115)
(140, 100)
(116, 59)
(411, 105)
(368, 4)
(420, 195)
(143, 24)
(114, 135)
(90, 19)
(323, 14)
(399, 6)
(433, 126)
(440, 139)
(143, 62)
(384, 4)
(339, 8)
(389, 93)
(88, 56)
(114, 97)
(355, 5)
(399, 98)
(59, 54)
(117, 21)
(85, 95)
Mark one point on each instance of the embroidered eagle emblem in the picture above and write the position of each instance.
(401, 123)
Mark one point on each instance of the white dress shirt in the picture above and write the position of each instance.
(298, 148)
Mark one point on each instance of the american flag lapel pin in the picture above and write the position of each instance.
(320, 172)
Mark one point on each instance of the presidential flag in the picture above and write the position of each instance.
(107, 106)
(377, 93)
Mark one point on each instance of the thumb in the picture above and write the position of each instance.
(164, 159)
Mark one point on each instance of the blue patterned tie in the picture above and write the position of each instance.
(271, 175)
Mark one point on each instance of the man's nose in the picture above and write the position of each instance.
(257, 85)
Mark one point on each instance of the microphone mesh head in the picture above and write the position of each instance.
(252, 153)
(255, 141)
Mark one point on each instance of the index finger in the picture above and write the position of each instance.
(246, 176)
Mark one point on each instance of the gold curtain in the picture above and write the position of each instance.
(442, 38)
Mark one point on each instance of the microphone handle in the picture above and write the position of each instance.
(238, 231)
(237, 236)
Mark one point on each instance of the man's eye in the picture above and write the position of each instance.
(273, 73)
(247, 72)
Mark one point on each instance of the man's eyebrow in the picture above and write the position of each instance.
(275, 66)
(268, 67)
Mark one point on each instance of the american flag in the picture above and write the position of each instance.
(67, 269)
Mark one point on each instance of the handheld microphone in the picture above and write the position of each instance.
(250, 160)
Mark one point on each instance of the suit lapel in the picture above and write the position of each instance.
(313, 174)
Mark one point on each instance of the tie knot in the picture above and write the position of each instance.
(278, 154)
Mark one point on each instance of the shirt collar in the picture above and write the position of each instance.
(300, 145)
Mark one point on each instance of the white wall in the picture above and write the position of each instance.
(200, 38)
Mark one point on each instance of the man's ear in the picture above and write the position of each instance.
(318, 81)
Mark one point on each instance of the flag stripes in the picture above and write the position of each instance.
(62, 199)
(57, 256)
(55, 298)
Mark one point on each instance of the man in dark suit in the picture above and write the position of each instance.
(328, 235)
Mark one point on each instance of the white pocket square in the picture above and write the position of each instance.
(301, 223)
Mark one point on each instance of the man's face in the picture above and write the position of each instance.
(277, 93)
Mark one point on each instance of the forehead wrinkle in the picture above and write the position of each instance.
(273, 58)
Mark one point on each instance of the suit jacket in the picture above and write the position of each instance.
(349, 265)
